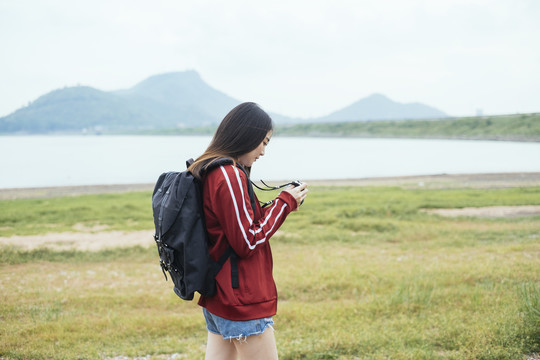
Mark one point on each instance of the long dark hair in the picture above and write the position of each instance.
(240, 131)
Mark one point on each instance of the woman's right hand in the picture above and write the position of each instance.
(298, 192)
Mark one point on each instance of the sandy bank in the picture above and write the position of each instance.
(438, 181)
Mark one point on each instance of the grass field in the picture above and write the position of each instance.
(362, 273)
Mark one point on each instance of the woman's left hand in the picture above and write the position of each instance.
(298, 192)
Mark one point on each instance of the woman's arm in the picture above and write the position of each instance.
(232, 208)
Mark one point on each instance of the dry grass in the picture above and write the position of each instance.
(361, 274)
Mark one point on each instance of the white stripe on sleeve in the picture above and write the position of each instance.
(237, 211)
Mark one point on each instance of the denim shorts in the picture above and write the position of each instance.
(238, 330)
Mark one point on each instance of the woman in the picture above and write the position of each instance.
(239, 316)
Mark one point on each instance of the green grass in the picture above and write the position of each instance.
(361, 273)
(78, 213)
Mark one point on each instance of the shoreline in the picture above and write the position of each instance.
(436, 181)
(503, 138)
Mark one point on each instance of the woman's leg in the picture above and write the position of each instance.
(219, 349)
(260, 347)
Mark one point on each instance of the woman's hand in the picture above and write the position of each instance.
(298, 192)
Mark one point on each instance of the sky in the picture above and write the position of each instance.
(300, 58)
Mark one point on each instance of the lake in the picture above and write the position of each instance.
(40, 161)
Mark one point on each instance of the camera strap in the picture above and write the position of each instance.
(269, 188)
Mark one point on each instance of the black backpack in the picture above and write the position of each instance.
(181, 236)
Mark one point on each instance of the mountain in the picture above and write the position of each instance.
(380, 107)
(178, 99)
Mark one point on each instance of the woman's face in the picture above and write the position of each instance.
(249, 158)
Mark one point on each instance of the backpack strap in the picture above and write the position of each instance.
(251, 192)
(234, 270)
(230, 254)
(226, 161)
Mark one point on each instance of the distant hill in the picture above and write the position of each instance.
(380, 107)
(65, 109)
(166, 101)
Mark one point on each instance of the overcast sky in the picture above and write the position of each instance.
(300, 58)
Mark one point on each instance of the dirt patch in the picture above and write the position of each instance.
(489, 211)
(83, 241)
(48, 192)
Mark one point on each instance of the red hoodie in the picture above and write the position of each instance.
(231, 220)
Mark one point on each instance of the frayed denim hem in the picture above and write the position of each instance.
(236, 330)
(244, 338)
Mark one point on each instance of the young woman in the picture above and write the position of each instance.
(239, 316)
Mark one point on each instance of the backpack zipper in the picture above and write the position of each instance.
(164, 266)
